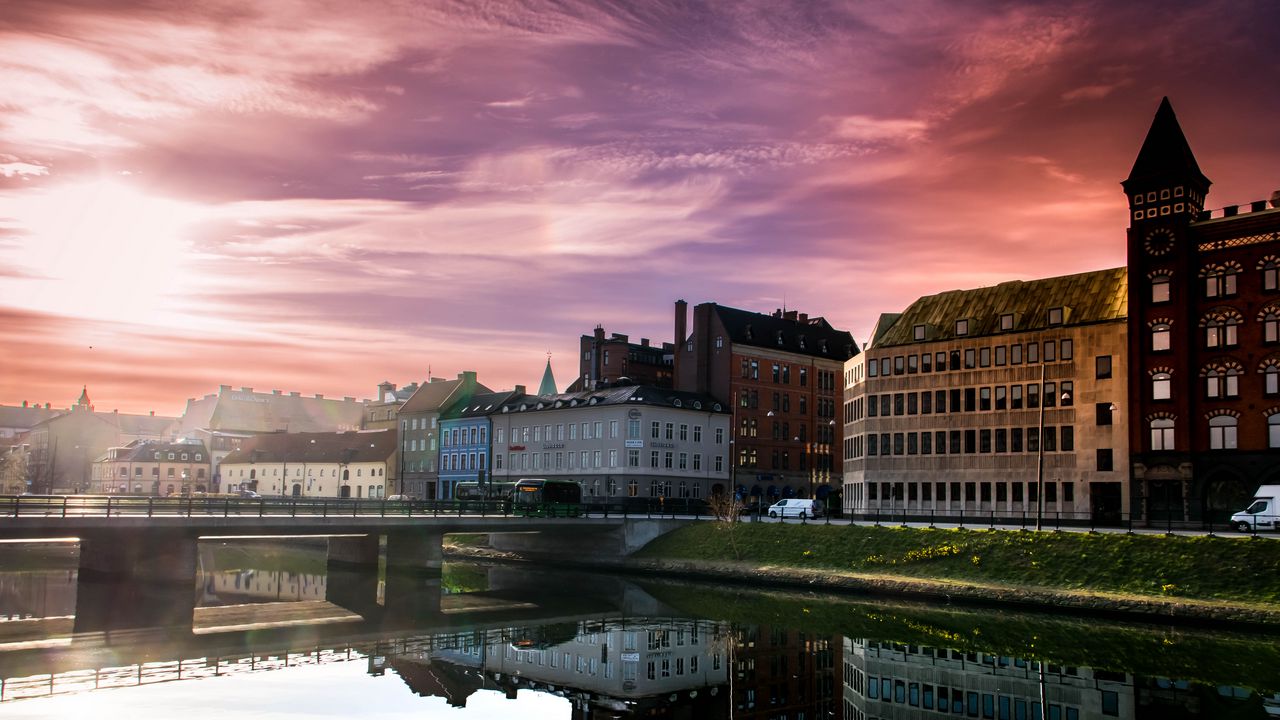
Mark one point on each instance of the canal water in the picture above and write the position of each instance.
(273, 633)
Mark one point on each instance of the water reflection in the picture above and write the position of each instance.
(611, 648)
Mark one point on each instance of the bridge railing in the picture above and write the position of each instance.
(71, 506)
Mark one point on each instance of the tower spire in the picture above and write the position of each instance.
(1165, 152)
(548, 385)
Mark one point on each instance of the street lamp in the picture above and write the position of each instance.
(1040, 451)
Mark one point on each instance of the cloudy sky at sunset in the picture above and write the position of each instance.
(318, 196)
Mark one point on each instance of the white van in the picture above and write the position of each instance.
(1262, 514)
(795, 508)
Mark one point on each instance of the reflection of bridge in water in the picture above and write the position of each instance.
(49, 656)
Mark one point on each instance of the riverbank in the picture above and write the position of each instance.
(1203, 579)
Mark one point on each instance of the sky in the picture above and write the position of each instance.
(319, 196)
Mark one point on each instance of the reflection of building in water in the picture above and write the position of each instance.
(1165, 699)
(781, 672)
(885, 680)
(659, 669)
(28, 595)
(249, 586)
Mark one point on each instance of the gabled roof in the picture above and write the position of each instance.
(437, 394)
(1091, 297)
(480, 405)
(813, 337)
(1165, 152)
(343, 447)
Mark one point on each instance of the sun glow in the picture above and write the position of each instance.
(102, 250)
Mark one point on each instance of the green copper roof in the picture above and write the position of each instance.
(548, 385)
(1085, 298)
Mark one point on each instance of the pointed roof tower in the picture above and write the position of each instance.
(83, 400)
(548, 385)
(1165, 155)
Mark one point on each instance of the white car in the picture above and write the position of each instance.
(795, 508)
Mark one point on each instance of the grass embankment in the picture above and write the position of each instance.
(1238, 571)
(1214, 657)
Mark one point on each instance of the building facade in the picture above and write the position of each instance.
(1204, 336)
(62, 449)
(381, 412)
(970, 401)
(352, 464)
(419, 439)
(147, 467)
(466, 439)
(223, 420)
(780, 375)
(620, 442)
(606, 360)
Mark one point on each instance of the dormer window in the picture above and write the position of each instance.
(1055, 316)
(803, 343)
(962, 327)
(719, 341)
(918, 333)
(1006, 322)
(779, 338)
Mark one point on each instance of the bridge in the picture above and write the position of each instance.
(138, 556)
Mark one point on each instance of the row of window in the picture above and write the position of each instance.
(184, 456)
(311, 472)
(956, 400)
(955, 442)
(475, 435)
(155, 472)
(1223, 432)
(890, 494)
(1219, 382)
(1220, 281)
(589, 459)
(972, 704)
(749, 457)
(971, 358)
(1221, 330)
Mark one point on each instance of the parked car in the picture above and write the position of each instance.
(249, 494)
(795, 508)
(1262, 514)
(400, 498)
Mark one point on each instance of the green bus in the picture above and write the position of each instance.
(490, 496)
(546, 498)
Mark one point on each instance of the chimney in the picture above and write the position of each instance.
(804, 318)
(224, 387)
(520, 390)
(644, 342)
(295, 394)
(319, 396)
(619, 337)
(599, 334)
(24, 403)
(275, 392)
(789, 315)
(246, 389)
(348, 399)
(115, 411)
(153, 413)
(46, 406)
(682, 320)
(468, 378)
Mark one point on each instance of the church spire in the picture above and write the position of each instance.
(83, 400)
(548, 386)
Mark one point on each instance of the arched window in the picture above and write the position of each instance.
(1161, 386)
(1271, 379)
(1221, 332)
(1220, 281)
(1270, 317)
(1222, 433)
(1273, 430)
(1270, 268)
(1162, 434)
(1160, 337)
(1160, 289)
(1222, 382)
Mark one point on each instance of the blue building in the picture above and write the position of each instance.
(466, 436)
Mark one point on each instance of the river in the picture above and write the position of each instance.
(272, 633)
